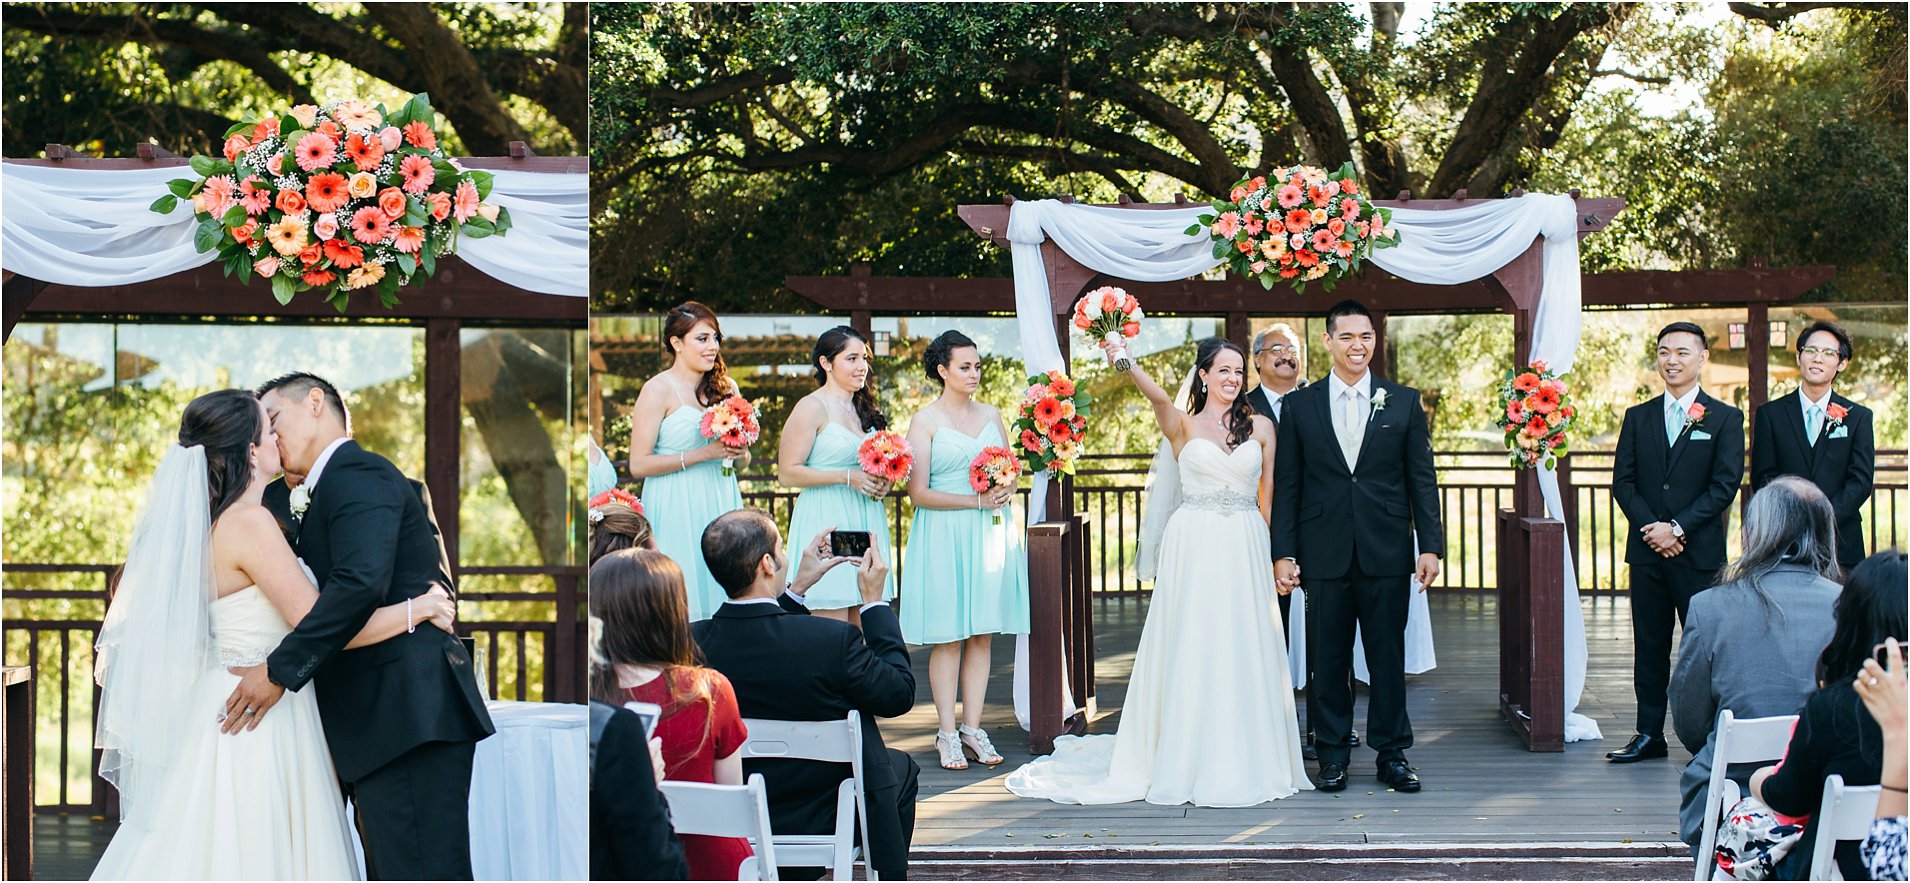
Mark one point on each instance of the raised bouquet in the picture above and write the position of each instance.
(335, 199)
(1109, 314)
(614, 495)
(731, 421)
(1297, 224)
(1535, 412)
(1051, 423)
(995, 467)
(886, 455)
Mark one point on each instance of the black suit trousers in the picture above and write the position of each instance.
(891, 822)
(1660, 595)
(1377, 605)
(414, 814)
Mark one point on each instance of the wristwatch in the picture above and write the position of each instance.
(1677, 530)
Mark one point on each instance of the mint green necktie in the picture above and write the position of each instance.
(1813, 423)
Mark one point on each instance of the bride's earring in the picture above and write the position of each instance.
(1203, 387)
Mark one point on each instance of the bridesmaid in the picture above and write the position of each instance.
(967, 577)
(818, 455)
(684, 487)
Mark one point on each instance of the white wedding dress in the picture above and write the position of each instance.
(1209, 715)
(258, 805)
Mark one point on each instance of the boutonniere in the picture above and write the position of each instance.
(1379, 404)
(301, 500)
(1694, 415)
(1836, 413)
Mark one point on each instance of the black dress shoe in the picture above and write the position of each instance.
(1332, 776)
(1395, 774)
(1308, 752)
(1641, 747)
(1352, 739)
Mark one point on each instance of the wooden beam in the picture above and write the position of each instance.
(458, 291)
(1378, 290)
(20, 293)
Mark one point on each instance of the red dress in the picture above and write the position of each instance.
(696, 730)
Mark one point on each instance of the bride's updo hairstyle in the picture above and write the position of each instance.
(828, 347)
(940, 350)
(227, 423)
(1239, 416)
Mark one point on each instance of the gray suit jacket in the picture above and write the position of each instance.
(1739, 654)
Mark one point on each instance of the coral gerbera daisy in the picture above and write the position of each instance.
(368, 274)
(408, 239)
(254, 195)
(315, 151)
(420, 135)
(370, 225)
(327, 192)
(365, 150)
(356, 115)
(288, 236)
(343, 256)
(465, 206)
(418, 174)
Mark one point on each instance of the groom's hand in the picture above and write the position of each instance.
(250, 700)
(1286, 575)
(1428, 569)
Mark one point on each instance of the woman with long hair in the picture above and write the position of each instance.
(967, 576)
(1209, 717)
(1750, 643)
(615, 527)
(684, 487)
(1835, 734)
(817, 453)
(649, 656)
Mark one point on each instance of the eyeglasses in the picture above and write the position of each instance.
(1821, 351)
(1276, 348)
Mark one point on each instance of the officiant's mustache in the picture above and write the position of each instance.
(1289, 361)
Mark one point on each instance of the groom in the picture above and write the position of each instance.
(1353, 486)
(403, 716)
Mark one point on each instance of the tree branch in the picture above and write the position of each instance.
(1108, 167)
(1636, 78)
(1774, 15)
(229, 45)
(459, 89)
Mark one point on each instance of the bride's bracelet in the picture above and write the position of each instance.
(410, 626)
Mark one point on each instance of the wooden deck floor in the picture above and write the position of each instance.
(1481, 786)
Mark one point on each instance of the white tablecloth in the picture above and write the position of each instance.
(530, 794)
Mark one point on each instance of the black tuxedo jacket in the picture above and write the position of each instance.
(1842, 463)
(787, 665)
(1691, 482)
(1328, 514)
(370, 539)
(1263, 405)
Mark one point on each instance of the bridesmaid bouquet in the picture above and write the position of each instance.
(731, 421)
(1535, 412)
(886, 455)
(1051, 423)
(995, 467)
(1109, 314)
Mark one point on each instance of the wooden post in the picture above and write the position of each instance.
(1047, 593)
(443, 422)
(1240, 332)
(1379, 362)
(1757, 360)
(16, 773)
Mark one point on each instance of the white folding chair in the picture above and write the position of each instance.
(726, 811)
(1845, 814)
(1753, 740)
(833, 742)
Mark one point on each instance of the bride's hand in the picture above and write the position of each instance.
(439, 609)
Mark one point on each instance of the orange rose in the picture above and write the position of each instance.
(392, 201)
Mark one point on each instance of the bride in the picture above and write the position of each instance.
(1209, 716)
(210, 583)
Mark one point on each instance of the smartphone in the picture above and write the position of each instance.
(649, 712)
(848, 543)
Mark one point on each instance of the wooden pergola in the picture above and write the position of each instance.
(1531, 546)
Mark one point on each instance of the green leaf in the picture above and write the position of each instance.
(428, 258)
(1266, 281)
(287, 125)
(407, 263)
(207, 237)
(477, 228)
(503, 222)
(415, 212)
(234, 217)
(182, 187)
(283, 287)
(482, 179)
(338, 299)
(165, 204)
(235, 129)
(203, 165)
(1192, 230)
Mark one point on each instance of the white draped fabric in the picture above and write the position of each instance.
(1437, 247)
(530, 794)
(93, 228)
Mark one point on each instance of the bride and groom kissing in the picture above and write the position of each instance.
(273, 649)
(1341, 496)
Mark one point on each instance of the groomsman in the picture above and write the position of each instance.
(1819, 435)
(1679, 461)
(1353, 486)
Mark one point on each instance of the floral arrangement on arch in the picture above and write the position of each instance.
(1535, 413)
(1300, 224)
(339, 198)
(1051, 424)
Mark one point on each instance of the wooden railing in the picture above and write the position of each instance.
(59, 655)
(1473, 486)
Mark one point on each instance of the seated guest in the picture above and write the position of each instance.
(1751, 643)
(1886, 697)
(1834, 735)
(615, 527)
(649, 657)
(789, 666)
(630, 833)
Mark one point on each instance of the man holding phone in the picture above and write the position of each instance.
(786, 665)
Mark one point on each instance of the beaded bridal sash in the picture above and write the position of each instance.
(1226, 502)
